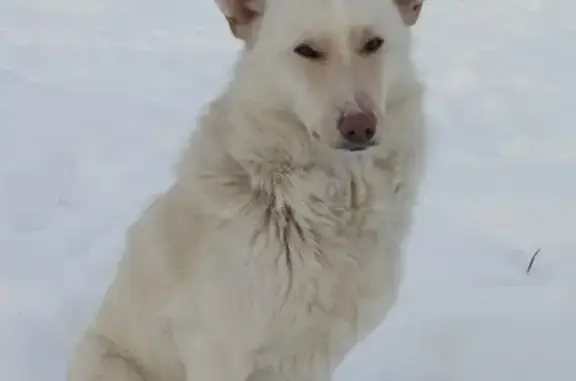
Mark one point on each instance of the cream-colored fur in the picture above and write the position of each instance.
(273, 253)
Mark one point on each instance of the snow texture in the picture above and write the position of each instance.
(97, 98)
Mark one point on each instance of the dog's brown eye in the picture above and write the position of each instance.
(306, 51)
(372, 45)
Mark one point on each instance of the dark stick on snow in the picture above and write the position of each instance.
(532, 261)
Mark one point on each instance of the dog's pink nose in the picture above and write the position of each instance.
(358, 128)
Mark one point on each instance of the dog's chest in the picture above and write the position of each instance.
(329, 244)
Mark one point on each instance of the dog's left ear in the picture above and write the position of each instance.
(240, 14)
(409, 10)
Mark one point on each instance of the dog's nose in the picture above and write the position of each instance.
(358, 128)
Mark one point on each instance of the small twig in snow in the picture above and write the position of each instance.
(532, 261)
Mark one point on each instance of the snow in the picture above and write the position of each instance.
(98, 96)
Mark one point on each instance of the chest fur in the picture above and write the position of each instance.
(330, 239)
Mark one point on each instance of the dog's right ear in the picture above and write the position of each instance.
(240, 14)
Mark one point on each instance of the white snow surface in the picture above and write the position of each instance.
(97, 98)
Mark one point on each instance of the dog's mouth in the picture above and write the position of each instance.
(355, 147)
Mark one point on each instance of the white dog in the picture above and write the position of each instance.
(279, 246)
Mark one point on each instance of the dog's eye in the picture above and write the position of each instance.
(308, 52)
(372, 45)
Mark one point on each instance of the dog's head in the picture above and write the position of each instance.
(333, 63)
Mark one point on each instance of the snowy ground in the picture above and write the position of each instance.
(96, 97)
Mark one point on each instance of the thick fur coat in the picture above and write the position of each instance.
(275, 251)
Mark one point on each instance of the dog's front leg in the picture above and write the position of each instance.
(307, 363)
(211, 363)
(209, 357)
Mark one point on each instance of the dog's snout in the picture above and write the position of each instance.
(358, 128)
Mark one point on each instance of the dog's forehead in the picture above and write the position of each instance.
(331, 19)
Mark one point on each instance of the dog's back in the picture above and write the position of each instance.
(279, 245)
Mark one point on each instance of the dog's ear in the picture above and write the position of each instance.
(240, 14)
(409, 10)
